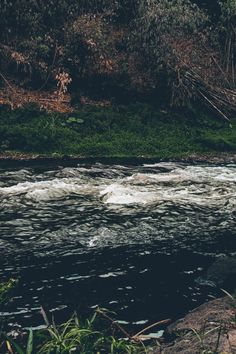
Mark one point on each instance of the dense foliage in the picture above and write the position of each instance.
(122, 49)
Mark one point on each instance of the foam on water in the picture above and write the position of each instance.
(202, 185)
(210, 186)
(47, 190)
(124, 195)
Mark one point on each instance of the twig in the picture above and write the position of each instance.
(50, 70)
(115, 323)
(6, 81)
(214, 106)
(52, 100)
(218, 338)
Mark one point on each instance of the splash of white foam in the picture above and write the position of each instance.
(206, 186)
(202, 185)
(46, 190)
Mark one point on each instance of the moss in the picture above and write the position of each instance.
(134, 130)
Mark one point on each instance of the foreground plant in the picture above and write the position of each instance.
(75, 336)
(14, 348)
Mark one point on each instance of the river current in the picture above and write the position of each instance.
(135, 239)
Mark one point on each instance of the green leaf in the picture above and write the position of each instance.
(74, 120)
(71, 120)
(80, 121)
(29, 349)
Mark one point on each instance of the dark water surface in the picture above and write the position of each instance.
(132, 238)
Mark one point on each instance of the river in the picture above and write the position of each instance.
(132, 238)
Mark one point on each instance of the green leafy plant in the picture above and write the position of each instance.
(68, 337)
(79, 337)
(5, 289)
(83, 337)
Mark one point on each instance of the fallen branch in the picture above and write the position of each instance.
(114, 323)
(7, 83)
(138, 336)
(214, 106)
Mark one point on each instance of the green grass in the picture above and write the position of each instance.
(73, 336)
(121, 131)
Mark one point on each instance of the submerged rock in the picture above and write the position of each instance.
(223, 272)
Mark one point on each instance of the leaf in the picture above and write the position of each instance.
(72, 120)
(9, 348)
(43, 313)
(80, 121)
(11, 343)
(29, 349)
(228, 294)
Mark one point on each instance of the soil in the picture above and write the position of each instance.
(220, 158)
(209, 329)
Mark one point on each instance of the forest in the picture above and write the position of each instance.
(164, 51)
(66, 56)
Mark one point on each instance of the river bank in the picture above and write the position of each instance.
(210, 328)
(132, 131)
(23, 159)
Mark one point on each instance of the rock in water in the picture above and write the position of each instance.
(223, 272)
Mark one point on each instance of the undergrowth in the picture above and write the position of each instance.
(133, 130)
(74, 336)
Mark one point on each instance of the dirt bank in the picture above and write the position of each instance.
(209, 329)
(220, 158)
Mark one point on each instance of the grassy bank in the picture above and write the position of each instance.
(122, 131)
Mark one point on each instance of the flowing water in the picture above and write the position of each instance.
(135, 239)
